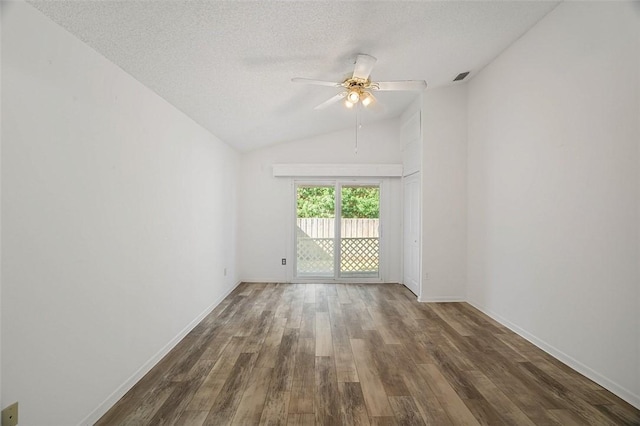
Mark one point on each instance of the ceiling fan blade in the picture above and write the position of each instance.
(364, 65)
(400, 85)
(331, 101)
(316, 82)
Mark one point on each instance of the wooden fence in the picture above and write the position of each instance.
(316, 227)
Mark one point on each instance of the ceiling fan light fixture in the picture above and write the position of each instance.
(366, 99)
(348, 104)
(353, 96)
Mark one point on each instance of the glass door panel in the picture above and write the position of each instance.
(359, 250)
(315, 231)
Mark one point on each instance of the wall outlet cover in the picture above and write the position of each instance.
(10, 415)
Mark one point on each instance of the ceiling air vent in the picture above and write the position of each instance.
(461, 76)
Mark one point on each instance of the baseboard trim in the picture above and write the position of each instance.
(95, 415)
(586, 371)
(327, 281)
(441, 299)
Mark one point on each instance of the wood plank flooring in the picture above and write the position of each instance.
(359, 354)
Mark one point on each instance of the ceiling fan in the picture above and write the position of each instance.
(358, 88)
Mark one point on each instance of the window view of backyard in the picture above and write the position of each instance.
(352, 246)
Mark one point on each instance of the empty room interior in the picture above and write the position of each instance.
(329, 213)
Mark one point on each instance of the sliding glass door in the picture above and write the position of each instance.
(315, 231)
(337, 230)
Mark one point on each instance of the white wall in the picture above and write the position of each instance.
(266, 203)
(553, 190)
(637, 403)
(2, 6)
(118, 217)
(411, 138)
(444, 197)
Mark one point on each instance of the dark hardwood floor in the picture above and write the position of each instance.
(346, 354)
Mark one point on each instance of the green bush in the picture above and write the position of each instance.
(357, 202)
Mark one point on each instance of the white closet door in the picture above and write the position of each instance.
(412, 233)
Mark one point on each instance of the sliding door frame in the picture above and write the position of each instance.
(338, 183)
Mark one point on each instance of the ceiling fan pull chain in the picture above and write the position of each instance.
(357, 126)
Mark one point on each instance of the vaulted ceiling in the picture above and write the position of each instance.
(228, 64)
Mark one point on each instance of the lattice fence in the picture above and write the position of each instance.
(359, 255)
(315, 256)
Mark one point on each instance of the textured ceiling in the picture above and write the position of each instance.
(228, 64)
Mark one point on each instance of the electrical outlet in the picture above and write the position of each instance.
(225, 272)
(284, 261)
(10, 415)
